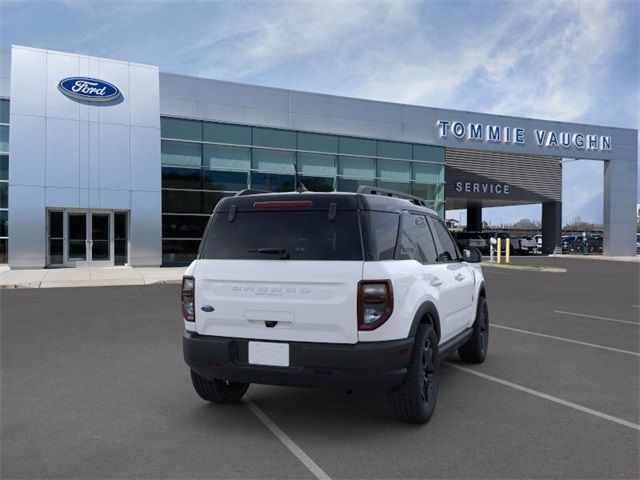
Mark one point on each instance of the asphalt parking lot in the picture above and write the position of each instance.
(94, 386)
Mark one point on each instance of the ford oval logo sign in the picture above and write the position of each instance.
(88, 89)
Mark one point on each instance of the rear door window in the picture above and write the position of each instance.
(416, 241)
(283, 235)
(447, 249)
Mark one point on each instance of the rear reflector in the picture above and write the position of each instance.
(284, 204)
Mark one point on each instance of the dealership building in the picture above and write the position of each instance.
(106, 162)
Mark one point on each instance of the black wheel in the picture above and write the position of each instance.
(415, 400)
(218, 391)
(475, 350)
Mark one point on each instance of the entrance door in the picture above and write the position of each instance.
(82, 238)
(77, 239)
(100, 240)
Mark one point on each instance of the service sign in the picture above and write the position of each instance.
(88, 89)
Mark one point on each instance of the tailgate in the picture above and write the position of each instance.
(307, 301)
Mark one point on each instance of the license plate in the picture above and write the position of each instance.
(269, 353)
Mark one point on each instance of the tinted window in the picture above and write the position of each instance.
(382, 233)
(447, 248)
(307, 235)
(416, 241)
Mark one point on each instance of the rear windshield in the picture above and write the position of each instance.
(283, 235)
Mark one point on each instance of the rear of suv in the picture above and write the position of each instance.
(354, 291)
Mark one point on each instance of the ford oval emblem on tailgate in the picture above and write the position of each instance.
(207, 308)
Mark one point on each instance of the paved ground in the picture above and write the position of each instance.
(88, 277)
(93, 386)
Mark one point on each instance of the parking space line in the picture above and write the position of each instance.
(562, 339)
(284, 438)
(551, 398)
(596, 317)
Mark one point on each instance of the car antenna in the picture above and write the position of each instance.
(300, 187)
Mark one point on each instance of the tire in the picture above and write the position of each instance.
(475, 350)
(415, 400)
(218, 391)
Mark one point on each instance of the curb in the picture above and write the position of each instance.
(63, 284)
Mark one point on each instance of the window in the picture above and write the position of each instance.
(4, 110)
(228, 181)
(315, 142)
(394, 150)
(4, 194)
(226, 158)
(397, 186)
(317, 184)
(179, 252)
(184, 226)
(276, 161)
(428, 153)
(4, 167)
(428, 173)
(394, 170)
(271, 137)
(358, 146)
(180, 153)
(176, 201)
(306, 235)
(416, 241)
(357, 167)
(224, 133)
(180, 129)
(382, 233)
(447, 250)
(4, 223)
(273, 182)
(316, 164)
(4, 138)
(188, 178)
(349, 185)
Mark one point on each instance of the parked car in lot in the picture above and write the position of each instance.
(471, 239)
(354, 291)
(582, 244)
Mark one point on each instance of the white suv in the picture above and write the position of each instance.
(356, 291)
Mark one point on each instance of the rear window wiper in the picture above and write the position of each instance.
(284, 254)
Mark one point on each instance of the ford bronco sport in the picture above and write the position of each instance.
(356, 291)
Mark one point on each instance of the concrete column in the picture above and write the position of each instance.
(620, 192)
(551, 226)
(474, 218)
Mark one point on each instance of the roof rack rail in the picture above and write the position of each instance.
(250, 191)
(391, 193)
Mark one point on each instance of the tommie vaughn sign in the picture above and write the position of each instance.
(88, 89)
(515, 135)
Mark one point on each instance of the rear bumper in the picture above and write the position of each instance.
(370, 367)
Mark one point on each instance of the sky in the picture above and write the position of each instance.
(565, 60)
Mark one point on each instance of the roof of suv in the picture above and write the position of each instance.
(321, 201)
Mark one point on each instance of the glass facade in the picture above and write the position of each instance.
(203, 162)
(4, 179)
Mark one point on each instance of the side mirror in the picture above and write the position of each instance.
(471, 255)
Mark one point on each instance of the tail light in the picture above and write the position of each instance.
(187, 297)
(375, 303)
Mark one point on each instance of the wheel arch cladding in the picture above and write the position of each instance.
(481, 291)
(427, 313)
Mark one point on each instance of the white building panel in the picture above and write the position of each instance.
(27, 144)
(115, 164)
(266, 98)
(63, 153)
(28, 81)
(145, 91)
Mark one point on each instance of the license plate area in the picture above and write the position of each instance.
(269, 353)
